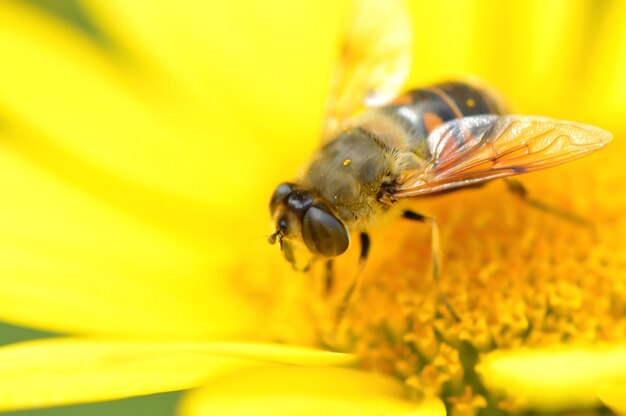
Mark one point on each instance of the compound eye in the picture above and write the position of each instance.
(280, 193)
(323, 234)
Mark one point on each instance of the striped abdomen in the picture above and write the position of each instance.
(422, 110)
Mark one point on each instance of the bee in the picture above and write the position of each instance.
(380, 147)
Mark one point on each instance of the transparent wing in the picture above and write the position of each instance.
(475, 149)
(374, 61)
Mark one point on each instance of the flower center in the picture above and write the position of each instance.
(515, 277)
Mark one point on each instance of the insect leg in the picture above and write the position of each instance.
(435, 255)
(356, 280)
(516, 187)
(329, 277)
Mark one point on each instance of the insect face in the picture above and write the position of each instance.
(306, 227)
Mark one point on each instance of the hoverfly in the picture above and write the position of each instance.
(380, 147)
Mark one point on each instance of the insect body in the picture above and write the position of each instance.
(368, 157)
(353, 177)
(427, 141)
(380, 147)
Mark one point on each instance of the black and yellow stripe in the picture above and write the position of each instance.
(422, 110)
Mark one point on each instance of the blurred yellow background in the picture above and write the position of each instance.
(141, 135)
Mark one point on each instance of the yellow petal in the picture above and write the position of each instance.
(88, 244)
(83, 103)
(542, 44)
(534, 52)
(71, 262)
(606, 85)
(283, 354)
(442, 50)
(265, 63)
(613, 396)
(553, 379)
(287, 44)
(305, 391)
(264, 90)
(66, 371)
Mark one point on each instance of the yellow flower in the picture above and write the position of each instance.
(138, 164)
